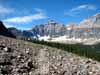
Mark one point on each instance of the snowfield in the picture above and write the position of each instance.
(67, 40)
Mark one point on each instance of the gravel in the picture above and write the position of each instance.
(19, 57)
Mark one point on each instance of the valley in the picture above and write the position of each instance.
(49, 37)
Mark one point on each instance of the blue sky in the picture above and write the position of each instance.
(24, 14)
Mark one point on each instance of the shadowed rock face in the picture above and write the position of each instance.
(2, 27)
(4, 31)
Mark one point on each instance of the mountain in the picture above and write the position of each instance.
(4, 31)
(92, 21)
(51, 31)
(91, 27)
(88, 31)
(25, 34)
(16, 32)
(29, 34)
(88, 28)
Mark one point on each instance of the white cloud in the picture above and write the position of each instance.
(4, 10)
(77, 9)
(39, 10)
(84, 7)
(22, 20)
(8, 25)
(26, 19)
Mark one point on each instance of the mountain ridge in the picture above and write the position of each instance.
(4, 31)
(87, 29)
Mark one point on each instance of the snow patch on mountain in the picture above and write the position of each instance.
(45, 38)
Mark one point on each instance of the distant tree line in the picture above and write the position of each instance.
(89, 51)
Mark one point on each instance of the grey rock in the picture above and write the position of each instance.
(43, 60)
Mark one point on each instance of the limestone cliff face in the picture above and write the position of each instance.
(92, 21)
(2, 27)
(52, 29)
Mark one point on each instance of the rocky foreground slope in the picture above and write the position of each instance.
(23, 58)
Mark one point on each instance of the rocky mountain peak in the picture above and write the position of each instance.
(4, 31)
(98, 18)
(72, 26)
(2, 27)
(98, 15)
(52, 22)
(94, 20)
